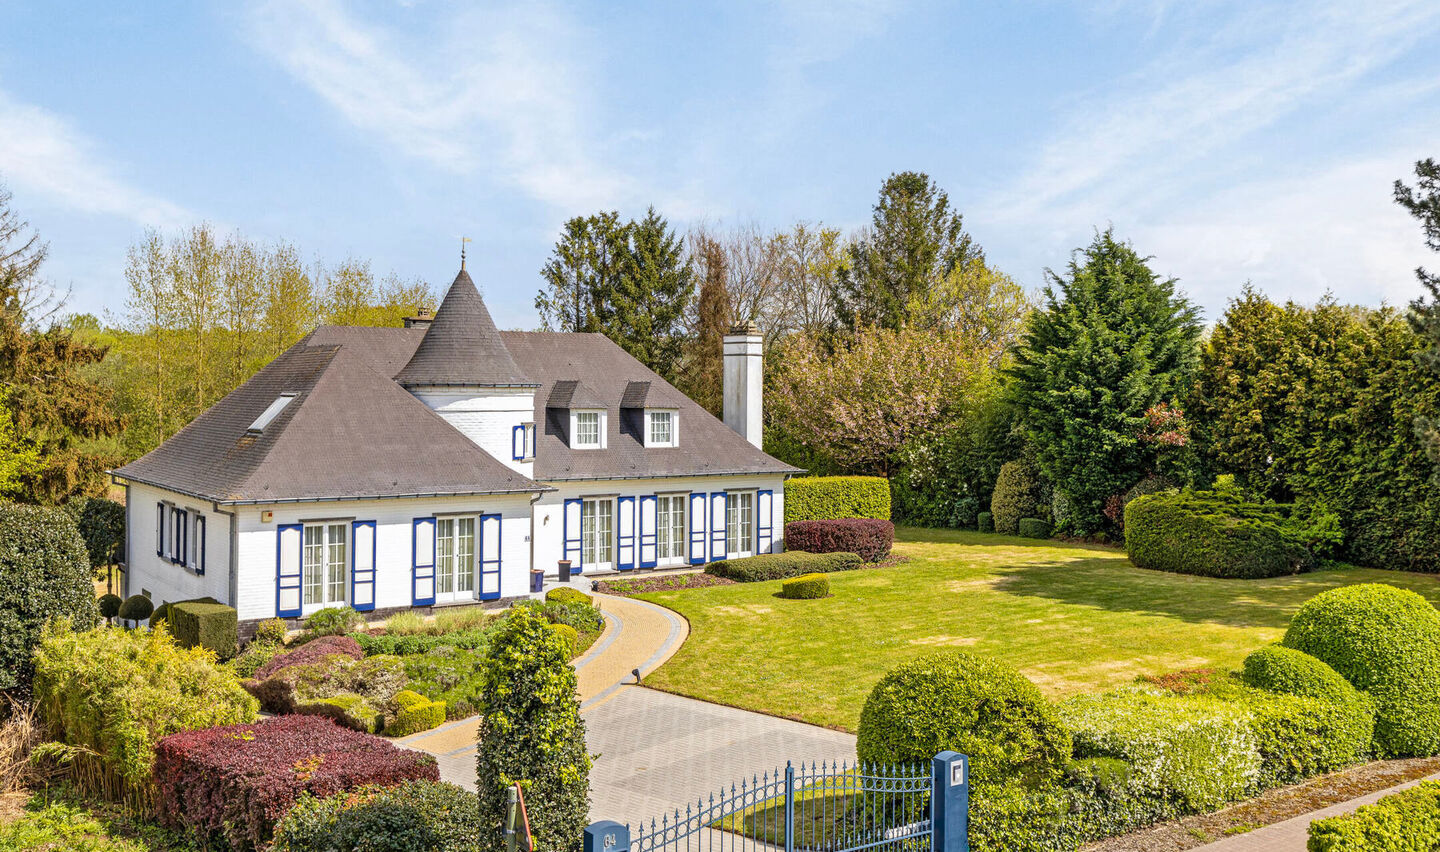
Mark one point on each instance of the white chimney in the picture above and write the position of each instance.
(744, 382)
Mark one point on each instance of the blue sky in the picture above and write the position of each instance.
(1233, 141)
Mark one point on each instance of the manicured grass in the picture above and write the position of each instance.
(1072, 618)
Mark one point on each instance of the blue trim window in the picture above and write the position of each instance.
(522, 442)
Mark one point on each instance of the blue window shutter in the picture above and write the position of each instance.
(199, 565)
(717, 526)
(517, 443)
(698, 514)
(649, 539)
(490, 552)
(625, 533)
(764, 521)
(362, 565)
(289, 540)
(573, 550)
(422, 576)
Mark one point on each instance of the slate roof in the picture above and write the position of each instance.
(352, 432)
(462, 346)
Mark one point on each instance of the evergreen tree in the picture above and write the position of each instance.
(531, 733)
(704, 370)
(645, 314)
(60, 417)
(915, 242)
(1112, 340)
(583, 272)
(1423, 202)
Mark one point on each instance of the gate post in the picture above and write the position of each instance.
(606, 836)
(950, 802)
(789, 808)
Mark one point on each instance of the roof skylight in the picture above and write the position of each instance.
(270, 413)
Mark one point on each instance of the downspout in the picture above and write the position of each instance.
(233, 582)
(533, 501)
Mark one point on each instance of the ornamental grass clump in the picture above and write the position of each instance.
(108, 696)
(531, 733)
(231, 785)
(1386, 642)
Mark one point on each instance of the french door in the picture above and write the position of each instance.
(323, 565)
(597, 534)
(454, 559)
(739, 524)
(670, 528)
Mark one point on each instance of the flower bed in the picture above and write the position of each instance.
(235, 783)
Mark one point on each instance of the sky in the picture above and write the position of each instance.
(1232, 141)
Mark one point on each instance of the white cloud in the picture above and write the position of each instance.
(41, 154)
(503, 92)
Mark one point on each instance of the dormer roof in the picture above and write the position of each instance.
(462, 347)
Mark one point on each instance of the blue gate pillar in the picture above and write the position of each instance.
(606, 836)
(949, 802)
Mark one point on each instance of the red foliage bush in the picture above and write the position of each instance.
(870, 538)
(312, 652)
(237, 782)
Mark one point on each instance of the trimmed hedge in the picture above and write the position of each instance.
(1213, 534)
(136, 608)
(985, 522)
(163, 610)
(1034, 528)
(1280, 669)
(973, 705)
(1016, 496)
(782, 566)
(870, 538)
(202, 625)
(232, 784)
(823, 498)
(113, 694)
(1197, 751)
(807, 587)
(1299, 736)
(568, 595)
(568, 635)
(1386, 642)
(414, 713)
(414, 815)
(44, 574)
(1401, 822)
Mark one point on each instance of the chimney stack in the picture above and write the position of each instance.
(744, 382)
(422, 319)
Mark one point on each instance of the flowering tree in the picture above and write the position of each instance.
(859, 404)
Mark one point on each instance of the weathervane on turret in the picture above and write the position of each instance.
(463, 241)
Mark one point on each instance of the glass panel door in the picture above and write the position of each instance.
(739, 524)
(670, 528)
(324, 564)
(597, 531)
(454, 559)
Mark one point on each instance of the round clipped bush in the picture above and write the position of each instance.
(1211, 535)
(568, 595)
(271, 631)
(1280, 669)
(985, 522)
(973, 705)
(44, 575)
(136, 608)
(1386, 642)
(868, 537)
(1016, 496)
(1034, 528)
(808, 587)
(569, 636)
(109, 605)
(333, 621)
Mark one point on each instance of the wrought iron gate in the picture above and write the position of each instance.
(815, 808)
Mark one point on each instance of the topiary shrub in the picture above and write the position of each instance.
(869, 538)
(1279, 669)
(109, 606)
(347, 709)
(1386, 642)
(414, 815)
(985, 522)
(976, 706)
(229, 785)
(414, 713)
(213, 626)
(1298, 736)
(806, 587)
(568, 595)
(781, 566)
(1214, 534)
(1017, 495)
(569, 637)
(163, 610)
(1401, 822)
(101, 523)
(333, 621)
(44, 575)
(136, 608)
(531, 733)
(1197, 751)
(821, 498)
(111, 695)
(1034, 528)
(272, 631)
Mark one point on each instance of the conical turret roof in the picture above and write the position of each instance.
(462, 346)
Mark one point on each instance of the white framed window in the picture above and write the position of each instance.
(523, 439)
(324, 564)
(597, 533)
(739, 524)
(454, 559)
(587, 430)
(195, 559)
(529, 442)
(670, 528)
(661, 428)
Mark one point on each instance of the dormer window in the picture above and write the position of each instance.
(661, 428)
(587, 430)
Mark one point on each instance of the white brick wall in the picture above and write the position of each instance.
(487, 418)
(164, 580)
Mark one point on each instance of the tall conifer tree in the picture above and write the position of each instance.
(1423, 202)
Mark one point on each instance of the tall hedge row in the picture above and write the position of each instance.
(1212, 535)
(821, 498)
(44, 574)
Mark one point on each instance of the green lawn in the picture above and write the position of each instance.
(1072, 618)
